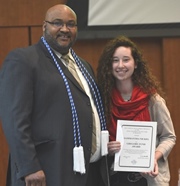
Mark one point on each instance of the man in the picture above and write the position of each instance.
(47, 116)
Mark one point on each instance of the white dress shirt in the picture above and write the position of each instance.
(96, 156)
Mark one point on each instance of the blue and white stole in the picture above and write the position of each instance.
(78, 152)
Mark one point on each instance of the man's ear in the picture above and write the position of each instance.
(44, 26)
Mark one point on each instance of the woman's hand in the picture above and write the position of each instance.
(154, 172)
(113, 147)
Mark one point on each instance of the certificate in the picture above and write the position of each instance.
(138, 141)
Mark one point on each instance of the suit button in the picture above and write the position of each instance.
(89, 149)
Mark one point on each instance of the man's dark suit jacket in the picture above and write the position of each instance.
(37, 120)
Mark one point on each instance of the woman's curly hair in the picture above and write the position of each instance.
(142, 75)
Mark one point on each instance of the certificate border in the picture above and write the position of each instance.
(150, 147)
(120, 125)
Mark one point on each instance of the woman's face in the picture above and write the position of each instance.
(123, 64)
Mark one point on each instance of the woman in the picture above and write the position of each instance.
(131, 92)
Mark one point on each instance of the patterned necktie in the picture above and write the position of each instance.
(72, 69)
(93, 149)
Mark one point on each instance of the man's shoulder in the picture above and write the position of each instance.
(25, 55)
(25, 52)
(27, 49)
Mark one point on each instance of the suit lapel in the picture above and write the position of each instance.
(66, 72)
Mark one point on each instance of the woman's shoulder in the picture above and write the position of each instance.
(156, 99)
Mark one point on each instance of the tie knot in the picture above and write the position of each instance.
(66, 58)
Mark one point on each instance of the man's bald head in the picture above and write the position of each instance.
(58, 8)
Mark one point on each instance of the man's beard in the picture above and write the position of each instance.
(55, 45)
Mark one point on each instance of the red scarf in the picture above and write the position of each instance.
(136, 109)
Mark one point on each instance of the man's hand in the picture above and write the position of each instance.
(36, 179)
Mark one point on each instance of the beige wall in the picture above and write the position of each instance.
(20, 25)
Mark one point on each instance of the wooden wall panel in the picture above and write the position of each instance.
(90, 50)
(36, 33)
(10, 38)
(152, 51)
(3, 157)
(171, 70)
(24, 12)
